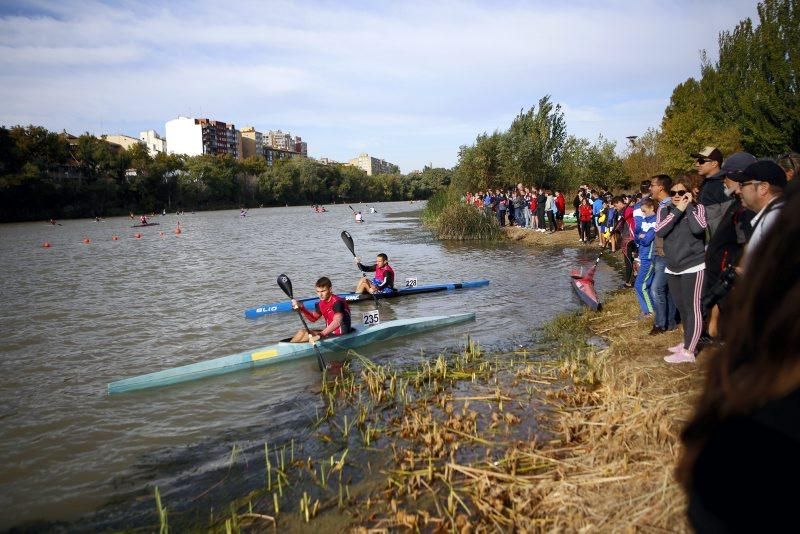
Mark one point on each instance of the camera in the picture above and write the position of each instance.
(721, 287)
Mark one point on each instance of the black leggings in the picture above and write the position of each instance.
(584, 230)
(628, 248)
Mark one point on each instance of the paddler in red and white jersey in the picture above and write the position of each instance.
(382, 282)
(334, 309)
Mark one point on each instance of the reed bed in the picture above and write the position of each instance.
(452, 219)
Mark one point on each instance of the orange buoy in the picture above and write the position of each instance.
(86, 240)
(137, 235)
(161, 234)
(115, 237)
(46, 244)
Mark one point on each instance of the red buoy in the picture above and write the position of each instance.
(86, 240)
(114, 237)
(137, 235)
(46, 244)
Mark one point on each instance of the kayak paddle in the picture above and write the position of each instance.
(286, 286)
(348, 240)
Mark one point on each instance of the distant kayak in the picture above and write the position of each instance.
(285, 351)
(310, 302)
(146, 224)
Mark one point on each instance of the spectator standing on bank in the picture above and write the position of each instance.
(664, 309)
(683, 225)
(739, 464)
(541, 201)
(708, 163)
(726, 245)
(790, 163)
(645, 236)
(561, 207)
(762, 185)
(585, 221)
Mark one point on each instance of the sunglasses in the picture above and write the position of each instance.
(701, 161)
(679, 192)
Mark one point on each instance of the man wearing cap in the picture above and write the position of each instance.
(762, 185)
(708, 164)
(726, 245)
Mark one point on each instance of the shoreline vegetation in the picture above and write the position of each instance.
(580, 432)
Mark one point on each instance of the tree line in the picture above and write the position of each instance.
(45, 174)
(536, 150)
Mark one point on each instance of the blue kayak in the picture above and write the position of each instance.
(285, 351)
(310, 302)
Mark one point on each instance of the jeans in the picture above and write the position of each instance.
(663, 304)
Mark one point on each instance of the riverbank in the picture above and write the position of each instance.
(563, 238)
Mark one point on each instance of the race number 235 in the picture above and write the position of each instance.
(370, 318)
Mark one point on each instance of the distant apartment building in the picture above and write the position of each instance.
(194, 137)
(252, 142)
(328, 161)
(154, 142)
(301, 147)
(124, 141)
(373, 166)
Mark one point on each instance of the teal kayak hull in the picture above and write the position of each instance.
(284, 351)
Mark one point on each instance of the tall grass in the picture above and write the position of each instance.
(450, 218)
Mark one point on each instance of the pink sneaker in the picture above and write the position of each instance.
(680, 357)
(676, 348)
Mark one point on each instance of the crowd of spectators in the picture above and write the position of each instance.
(540, 209)
(684, 239)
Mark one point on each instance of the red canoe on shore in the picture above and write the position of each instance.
(583, 284)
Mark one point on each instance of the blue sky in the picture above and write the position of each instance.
(408, 82)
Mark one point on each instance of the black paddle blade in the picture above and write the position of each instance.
(348, 240)
(286, 285)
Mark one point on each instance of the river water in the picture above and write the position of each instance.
(76, 316)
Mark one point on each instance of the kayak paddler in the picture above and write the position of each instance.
(334, 309)
(143, 219)
(382, 282)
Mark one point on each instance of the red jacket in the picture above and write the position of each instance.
(561, 204)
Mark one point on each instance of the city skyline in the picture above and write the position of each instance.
(406, 82)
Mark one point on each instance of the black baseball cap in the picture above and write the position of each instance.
(764, 170)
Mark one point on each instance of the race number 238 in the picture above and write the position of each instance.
(411, 282)
(370, 318)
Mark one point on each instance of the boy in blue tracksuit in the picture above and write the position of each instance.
(645, 236)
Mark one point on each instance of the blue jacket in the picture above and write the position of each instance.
(646, 236)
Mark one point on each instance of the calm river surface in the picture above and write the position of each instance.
(76, 316)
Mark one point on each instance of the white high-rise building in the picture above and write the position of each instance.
(194, 137)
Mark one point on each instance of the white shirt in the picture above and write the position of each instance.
(761, 224)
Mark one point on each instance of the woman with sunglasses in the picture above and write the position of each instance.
(682, 224)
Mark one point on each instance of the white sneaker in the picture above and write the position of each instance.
(681, 356)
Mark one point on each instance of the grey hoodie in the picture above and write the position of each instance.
(684, 235)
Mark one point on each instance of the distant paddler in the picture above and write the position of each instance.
(333, 308)
(359, 217)
(143, 219)
(382, 282)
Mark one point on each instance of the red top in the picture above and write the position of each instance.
(329, 309)
(585, 213)
(561, 204)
